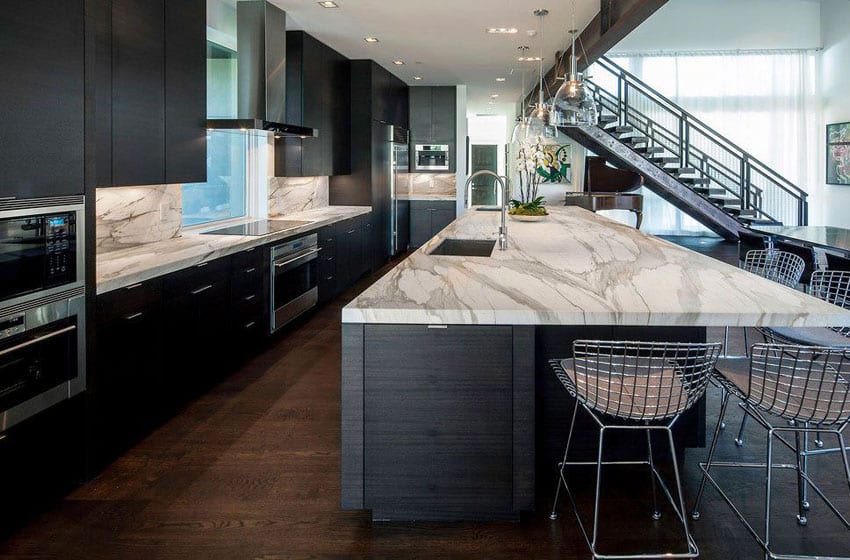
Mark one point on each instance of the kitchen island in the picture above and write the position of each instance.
(448, 408)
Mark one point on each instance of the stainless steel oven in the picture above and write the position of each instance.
(432, 157)
(294, 279)
(41, 248)
(42, 355)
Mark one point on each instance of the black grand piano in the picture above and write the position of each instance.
(608, 188)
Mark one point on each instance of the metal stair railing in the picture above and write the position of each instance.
(742, 176)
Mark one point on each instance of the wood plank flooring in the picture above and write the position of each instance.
(251, 470)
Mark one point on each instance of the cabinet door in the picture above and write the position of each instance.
(327, 264)
(403, 225)
(438, 420)
(442, 214)
(443, 115)
(420, 116)
(41, 100)
(185, 91)
(420, 224)
(138, 96)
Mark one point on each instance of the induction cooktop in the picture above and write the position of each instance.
(258, 228)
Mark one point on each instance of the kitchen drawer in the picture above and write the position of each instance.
(196, 279)
(255, 257)
(249, 281)
(248, 303)
(326, 234)
(129, 301)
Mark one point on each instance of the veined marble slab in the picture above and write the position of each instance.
(579, 268)
(124, 267)
(417, 196)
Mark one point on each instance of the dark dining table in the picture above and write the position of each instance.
(835, 239)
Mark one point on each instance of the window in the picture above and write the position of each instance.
(223, 195)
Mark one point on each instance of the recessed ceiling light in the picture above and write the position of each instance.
(398, 62)
(500, 79)
(371, 39)
(328, 4)
(502, 30)
(417, 77)
(494, 96)
(529, 59)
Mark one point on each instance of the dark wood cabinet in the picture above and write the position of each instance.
(151, 92)
(431, 410)
(138, 95)
(327, 269)
(185, 91)
(317, 95)
(349, 235)
(403, 209)
(433, 120)
(42, 97)
(249, 298)
(428, 218)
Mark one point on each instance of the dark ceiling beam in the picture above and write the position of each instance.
(615, 20)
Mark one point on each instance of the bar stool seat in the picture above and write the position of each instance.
(811, 336)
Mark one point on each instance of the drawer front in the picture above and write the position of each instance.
(249, 258)
(248, 303)
(196, 279)
(247, 281)
(129, 301)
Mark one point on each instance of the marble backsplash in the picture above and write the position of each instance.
(129, 216)
(432, 184)
(296, 194)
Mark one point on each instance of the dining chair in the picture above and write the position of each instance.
(835, 262)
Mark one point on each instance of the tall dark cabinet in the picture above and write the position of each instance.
(42, 98)
(151, 91)
(378, 99)
(318, 82)
(433, 120)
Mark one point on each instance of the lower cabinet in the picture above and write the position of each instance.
(403, 228)
(350, 265)
(249, 305)
(428, 218)
(328, 284)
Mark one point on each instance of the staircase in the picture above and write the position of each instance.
(684, 160)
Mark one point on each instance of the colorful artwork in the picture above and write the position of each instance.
(557, 161)
(838, 154)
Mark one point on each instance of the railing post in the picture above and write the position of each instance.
(624, 117)
(746, 178)
(684, 141)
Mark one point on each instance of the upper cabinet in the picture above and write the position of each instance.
(433, 120)
(42, 98)
(390, 103)
(318, 95)
(151, 99)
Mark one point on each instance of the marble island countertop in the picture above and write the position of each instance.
(579, 268)
(124, 267)
(427, 196)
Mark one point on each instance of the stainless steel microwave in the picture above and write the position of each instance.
(432, 157)
(41, 248)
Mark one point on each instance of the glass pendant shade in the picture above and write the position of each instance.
(575, 103)
(520, 133)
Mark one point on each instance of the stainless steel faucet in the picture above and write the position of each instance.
(503, 183)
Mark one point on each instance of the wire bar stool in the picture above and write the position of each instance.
(806, 386)
(648, 384)
(778, 266)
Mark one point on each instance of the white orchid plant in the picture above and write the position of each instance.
(530, 159)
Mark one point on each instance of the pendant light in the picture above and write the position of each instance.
(573, 100)
(539, 122)
(520, 133)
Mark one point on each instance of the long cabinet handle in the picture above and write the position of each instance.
(250, 270)
(134, 316)
(249, 325)
(249, 298)
(201, 290)
(134, 286)
(296, 259)
(38, 339)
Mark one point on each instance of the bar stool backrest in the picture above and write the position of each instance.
(801, 383)
(778, 266)
(642, 380)
(806, 253)
(750, 241)
(833, 286)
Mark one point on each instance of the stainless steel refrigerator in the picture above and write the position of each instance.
(399, 171)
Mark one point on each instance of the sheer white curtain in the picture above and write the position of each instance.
(766, 102)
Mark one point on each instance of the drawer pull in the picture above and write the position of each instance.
(329, 278)
(249, 298)
(134, 316)
(202, 265)
(249, 325)
(134, 286)
(349, 232)
(249, 250)
(201, 290)
(250, 270)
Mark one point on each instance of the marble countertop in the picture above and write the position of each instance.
(579, 268)
(124, 267)
(427, 197)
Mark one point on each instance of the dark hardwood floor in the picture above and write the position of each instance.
(251, 470)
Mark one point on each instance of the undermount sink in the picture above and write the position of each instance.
(465, 247)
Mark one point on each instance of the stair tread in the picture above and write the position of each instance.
(695, 180)
(649, 150)
(622, 129)
(682, 170)
(634, 140)
(664, 159)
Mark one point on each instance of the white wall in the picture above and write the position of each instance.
(461, 135)
(699, 25)
(835, 97)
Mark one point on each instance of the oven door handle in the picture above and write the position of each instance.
(292, 263)
(38, 339)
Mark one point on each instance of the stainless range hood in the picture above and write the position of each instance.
(261, 59)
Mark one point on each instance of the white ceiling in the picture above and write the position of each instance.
(443, 41)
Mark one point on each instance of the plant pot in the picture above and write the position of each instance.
(528, 217)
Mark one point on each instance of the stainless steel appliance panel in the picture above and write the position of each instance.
(294, 279)
(399, 181)
(432, 157)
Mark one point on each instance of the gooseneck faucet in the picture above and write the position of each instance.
(503, 183)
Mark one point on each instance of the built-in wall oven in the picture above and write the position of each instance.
(294, 279)
(432, 157)
(42, 305)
